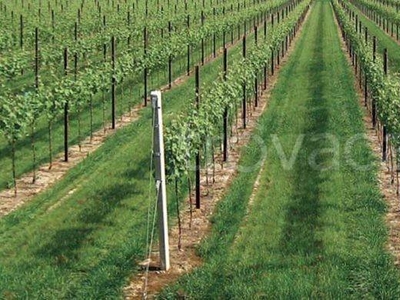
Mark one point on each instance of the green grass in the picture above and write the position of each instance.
(310, 233)
(383, 41)
(87, 245)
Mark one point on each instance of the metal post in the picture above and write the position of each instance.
(37, 58)
(374, 48)
(225, 116)
(244, 113)
(384, 131)
(66, 110)
(159, 160)
(373, 109)
(145, 71)
(197, 87)
(113, 84)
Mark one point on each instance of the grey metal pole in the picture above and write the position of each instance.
(159, 160)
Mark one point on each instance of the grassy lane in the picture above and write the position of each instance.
(82, 238)
(384, 41)
(315, 228)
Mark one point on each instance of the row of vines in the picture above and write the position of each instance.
(195, 134)
(381, 89)
(386, 17)
(82, 82)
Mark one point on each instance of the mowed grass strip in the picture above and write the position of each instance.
(82, 238)
(316, 227)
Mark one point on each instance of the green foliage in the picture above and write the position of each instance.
(15, 115)
(11, 65)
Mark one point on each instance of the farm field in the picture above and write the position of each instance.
(303, 215)
(308, 232)
(164, 61)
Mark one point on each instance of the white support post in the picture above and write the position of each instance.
(159, 160)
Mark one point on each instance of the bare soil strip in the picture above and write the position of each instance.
(185, 260)
(387, 187)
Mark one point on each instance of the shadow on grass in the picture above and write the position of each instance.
(64, 245)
